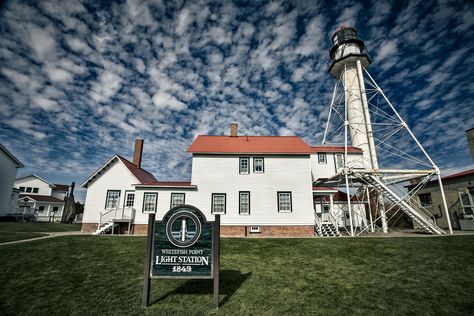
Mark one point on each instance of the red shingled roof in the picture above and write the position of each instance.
(139, 173)
(42, 198)
(460, 174)
(335, 149)
(249, 145)
(168, 183)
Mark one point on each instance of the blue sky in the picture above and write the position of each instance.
(79, 81)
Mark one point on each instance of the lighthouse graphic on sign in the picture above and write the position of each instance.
(360, 115)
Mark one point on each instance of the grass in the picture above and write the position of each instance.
(11, 231)
(97, 275)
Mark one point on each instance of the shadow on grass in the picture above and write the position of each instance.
(230, 281)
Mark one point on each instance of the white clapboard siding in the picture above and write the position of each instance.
(116, 177)
(220, 174)
(8, 171)
(32, 181)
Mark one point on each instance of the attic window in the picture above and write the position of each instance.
(322, 158)
(258, 165)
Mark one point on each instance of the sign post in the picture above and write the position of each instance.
(184, 245)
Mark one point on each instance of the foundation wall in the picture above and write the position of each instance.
(232, 231)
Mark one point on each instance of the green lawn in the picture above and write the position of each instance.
(11, 231)
(37, 227)
(12, 236)
(97, 275)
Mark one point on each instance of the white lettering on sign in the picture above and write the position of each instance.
(187, 260)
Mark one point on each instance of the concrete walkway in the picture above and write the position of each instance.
(50, 235)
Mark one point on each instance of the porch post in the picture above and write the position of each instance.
(331, 209)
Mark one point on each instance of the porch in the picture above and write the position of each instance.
(111, 219)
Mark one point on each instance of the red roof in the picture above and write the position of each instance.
(249, 145)
(41, 198)
(324, 189)
(465, 173)
(335, 149)
(168, 183)
(459, 175)
(141, 174)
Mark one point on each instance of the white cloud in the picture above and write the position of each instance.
(386, 50)
(106, 87)
(163, 100)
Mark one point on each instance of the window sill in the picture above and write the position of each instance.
(285, 211)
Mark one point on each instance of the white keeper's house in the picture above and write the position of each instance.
(261, 185)
(40, 197)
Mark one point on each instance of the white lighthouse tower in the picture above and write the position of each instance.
(366, 119)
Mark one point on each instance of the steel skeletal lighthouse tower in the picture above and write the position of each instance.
(393, 166)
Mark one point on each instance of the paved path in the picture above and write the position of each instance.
(50, 235)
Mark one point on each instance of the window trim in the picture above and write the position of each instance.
(335, 161)
(256, 230)
(212, 203)
(177, 193)
(240, 203)
(156, 202)
(278, 202)
(28, 189)
(107, 197)
(325, 162)
(425, 204)
(240, 165)
(263, 165)
(125, 198)
(35, 190)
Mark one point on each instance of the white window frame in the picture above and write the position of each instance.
(337, 163)
(466, 206)
(214, 196)
(279, 202)
(125, 200)
(254, 229)
(256, 164)
(107, 199)
(241, 170)
(242, 206)
(177, 194)
(145, 208)
(322, 158)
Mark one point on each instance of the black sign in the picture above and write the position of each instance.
(182, 245)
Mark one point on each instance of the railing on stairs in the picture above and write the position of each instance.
(109, 215)
(317, 221)
(418, 215)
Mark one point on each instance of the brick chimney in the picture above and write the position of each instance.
(233, 129)
(137, 154)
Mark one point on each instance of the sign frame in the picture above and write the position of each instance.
(150, 246)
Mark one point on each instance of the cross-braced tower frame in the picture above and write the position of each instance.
(362, 116)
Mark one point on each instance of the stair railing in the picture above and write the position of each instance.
(317, 220)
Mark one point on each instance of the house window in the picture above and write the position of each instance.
(258, 165)
(425, 199)
(218, 203)
(112, 199)
(35, 190)
(244, 165)
(322, 158)
(326, 208)
(284, 202)
(129, 199)
(254, 229)
(22, 189)
(149, 202)
(28, 189)
(466, 203)
(177, 199)
(41, 209)
(55, 209)
(339, 161)
(244, 202)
